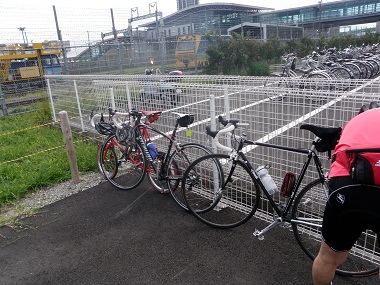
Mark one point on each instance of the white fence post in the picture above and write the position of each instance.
(227, 108)
(79, 108)
(113, 105)
(212, 119)
(128, 97)
(51, 100)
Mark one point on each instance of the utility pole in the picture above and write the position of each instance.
(117, 44)
(160, 36)
(22, 29)
(89, 44)
(61, 41)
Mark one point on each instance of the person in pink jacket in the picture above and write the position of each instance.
(352, 206)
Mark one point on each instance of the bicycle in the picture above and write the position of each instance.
(310, 80)
(128, 155)
(224, 191)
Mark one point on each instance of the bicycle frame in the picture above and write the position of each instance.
(281, 213)
(142, 135)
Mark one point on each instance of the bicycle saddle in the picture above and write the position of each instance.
(322, 132)
(150, 113)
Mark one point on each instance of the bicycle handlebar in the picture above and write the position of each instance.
(117, 118)
(233, 124)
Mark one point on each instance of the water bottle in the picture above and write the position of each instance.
(266, 179)
(152, 149)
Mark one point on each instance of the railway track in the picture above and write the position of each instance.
(23, 101)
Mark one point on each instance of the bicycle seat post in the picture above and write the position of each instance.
(175, 128)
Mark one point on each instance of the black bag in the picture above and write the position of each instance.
(365, 168)
(323, 145)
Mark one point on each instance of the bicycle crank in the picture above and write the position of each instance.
(260, 234)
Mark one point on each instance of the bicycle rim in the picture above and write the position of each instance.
(109, 160)
(222, 208)
(131, 166)
(310, 204)
(318, 81)
(178, 163)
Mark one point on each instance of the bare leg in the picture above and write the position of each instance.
(325, 264)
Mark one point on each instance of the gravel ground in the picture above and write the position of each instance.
(33, 202)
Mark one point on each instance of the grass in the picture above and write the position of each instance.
(46, 168)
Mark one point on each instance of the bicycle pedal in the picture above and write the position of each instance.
(165, 191)
(258, 234)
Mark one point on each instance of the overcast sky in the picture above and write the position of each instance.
(166, 6)
(80, 21)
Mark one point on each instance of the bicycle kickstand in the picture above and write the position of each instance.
(260, 234)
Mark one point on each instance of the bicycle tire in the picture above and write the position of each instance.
(310, 203)
(224, 208)
(363, 68)
(376, 66)
(277, 87)
(158, 185)
(342, 78)
(131, 164)
(341, 73)
(319, 84)
(180, 161)
(355, 69)
(109, 161)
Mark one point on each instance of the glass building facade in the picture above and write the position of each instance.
(315, 19)
(204, 18)
(349, 11)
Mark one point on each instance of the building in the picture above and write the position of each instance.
(218, 18)
(202, 18)
(182, 4)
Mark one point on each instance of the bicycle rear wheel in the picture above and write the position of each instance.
(177, 165)
(213, 204)
(130, 162)
(310, 204)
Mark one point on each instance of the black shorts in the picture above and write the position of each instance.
(351, 209)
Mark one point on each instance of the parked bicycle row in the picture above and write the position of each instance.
(332, 65)
(222, 190)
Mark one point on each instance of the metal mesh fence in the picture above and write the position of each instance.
(274, 108)
(274, 112)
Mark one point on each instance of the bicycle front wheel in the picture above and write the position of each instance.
(177, 165)
(129, 160)
(212, 202)
(109, 162)
(308, 208)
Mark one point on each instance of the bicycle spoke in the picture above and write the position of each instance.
(309, 207)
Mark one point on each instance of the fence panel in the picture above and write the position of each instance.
(275, 108)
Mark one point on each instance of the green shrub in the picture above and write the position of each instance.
(258, 69)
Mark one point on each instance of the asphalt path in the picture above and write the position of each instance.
(108, 236)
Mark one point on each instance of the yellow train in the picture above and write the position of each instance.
(191, 51)
(23, 66)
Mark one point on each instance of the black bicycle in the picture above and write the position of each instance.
(224, 191)
(128, 154)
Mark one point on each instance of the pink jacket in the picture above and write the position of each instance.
(362, 131)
